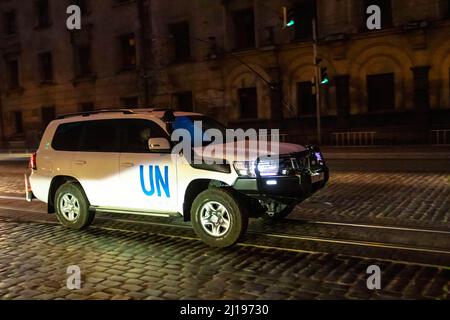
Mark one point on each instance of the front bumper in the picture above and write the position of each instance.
(289, 188)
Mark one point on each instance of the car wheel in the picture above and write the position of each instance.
(218, 219)
(72, 207)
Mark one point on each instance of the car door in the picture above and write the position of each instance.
(96, 164)
(149, 179)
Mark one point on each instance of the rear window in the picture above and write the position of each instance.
(101, 136)
(88, 136)
(67, 137)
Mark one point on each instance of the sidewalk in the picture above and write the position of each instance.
(15, 157)
(388, 153)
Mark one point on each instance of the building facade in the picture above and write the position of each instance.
(233, 60)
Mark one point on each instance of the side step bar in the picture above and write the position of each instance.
(133, 212)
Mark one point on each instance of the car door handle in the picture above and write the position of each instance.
(127, 164)
(80, 162)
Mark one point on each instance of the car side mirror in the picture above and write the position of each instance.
(159, 145)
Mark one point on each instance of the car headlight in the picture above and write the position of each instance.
(268, 168)
(265, 167)
(245, 168)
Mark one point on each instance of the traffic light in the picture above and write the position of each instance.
(324, 78)
(288, 16)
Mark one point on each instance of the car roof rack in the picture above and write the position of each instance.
(89, 113)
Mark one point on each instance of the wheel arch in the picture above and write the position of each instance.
(194, 188)
(57, 182)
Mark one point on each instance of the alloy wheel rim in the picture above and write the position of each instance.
(69, 207)
(215, 219)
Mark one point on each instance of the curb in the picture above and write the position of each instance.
(432, 156)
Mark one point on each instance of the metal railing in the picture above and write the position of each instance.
(440, 137)
(349, 139)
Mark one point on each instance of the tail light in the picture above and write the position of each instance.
(33, 164)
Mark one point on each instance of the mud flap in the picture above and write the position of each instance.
(29, 196)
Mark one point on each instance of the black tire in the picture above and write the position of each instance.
(238, 217)
(84, 218)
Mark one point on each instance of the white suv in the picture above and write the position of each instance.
(121, 161)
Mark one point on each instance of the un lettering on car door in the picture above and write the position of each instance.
(148, 178)
(149, 182)
(157, 182)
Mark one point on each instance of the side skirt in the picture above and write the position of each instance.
(134, 212)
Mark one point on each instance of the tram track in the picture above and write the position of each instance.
(270, 237)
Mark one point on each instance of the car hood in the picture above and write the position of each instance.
(246, 150)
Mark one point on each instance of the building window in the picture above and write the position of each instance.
(386, 12)
(421, 88)
(448, 9)
(130, 102)
(306, 99)
(82, 4)
(13, 73)
(244, 28)
(181, 40)
(87, 107)
(381, 92)
(305, 12)
(128, 51)
(342, 94)
(48, 115)
(10, 22)
(184, 101)
(46, 66)
(42, 13)
(248, 103)
(83, 61)
(18, 121)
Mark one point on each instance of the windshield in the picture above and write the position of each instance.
(197, 126)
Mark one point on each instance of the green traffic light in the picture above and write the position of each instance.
(325, 81)
(290, 23)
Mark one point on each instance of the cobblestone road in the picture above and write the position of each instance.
(393, 198)
(135, 265)
(123, 261)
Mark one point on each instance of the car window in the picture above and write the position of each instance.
(100, 136)
(67, 137)
(197, 127)
(136, 134)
